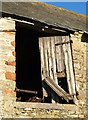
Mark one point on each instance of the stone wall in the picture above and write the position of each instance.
(79, 60)
(8, 105)
(7, 64)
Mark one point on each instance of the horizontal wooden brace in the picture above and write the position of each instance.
(25, 91)
(61, 43)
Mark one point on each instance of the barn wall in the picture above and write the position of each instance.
(8, 77)
(7, 65)
(79, 51)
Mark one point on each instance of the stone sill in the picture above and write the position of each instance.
(52, 106)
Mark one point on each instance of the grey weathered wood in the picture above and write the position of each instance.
(71, 71)
(70, 66)
(59, 91)
(46, 56)
(41, 47)
(59, 55)
(49, 57)
(53, 66)
(67, 65)
(53, 59)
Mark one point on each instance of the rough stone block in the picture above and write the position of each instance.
(6, 24)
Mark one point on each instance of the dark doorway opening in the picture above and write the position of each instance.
(28, 65)
(28, 68)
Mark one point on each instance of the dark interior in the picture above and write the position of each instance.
(28, 66)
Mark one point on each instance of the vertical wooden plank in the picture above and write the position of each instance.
(67, 65)
(52, 39)
(53, 59)
(71, 66)
(50, 57)
(62, 58)
(50, 62)
(41, 47)
(46, 56)
(59, 55)
(42, 57)
(71, 70)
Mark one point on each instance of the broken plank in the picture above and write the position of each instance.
(57, 89)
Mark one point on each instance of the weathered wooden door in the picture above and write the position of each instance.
(56, 60)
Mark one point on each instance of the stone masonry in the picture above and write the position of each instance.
(8, 77)
(79, 60)
(7, 64)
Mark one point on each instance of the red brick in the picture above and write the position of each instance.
(10, 63)
(14, 53)
(10, 75)
(7, 91)
(10, 33)
(13, 43)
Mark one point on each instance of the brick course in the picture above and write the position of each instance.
(13, 63)
(10, 75)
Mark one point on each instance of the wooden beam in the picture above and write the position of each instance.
(61, 43)
(57, 89)
(26, 91)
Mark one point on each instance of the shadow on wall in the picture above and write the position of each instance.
(84, 38)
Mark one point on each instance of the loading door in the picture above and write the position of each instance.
(56, 67)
